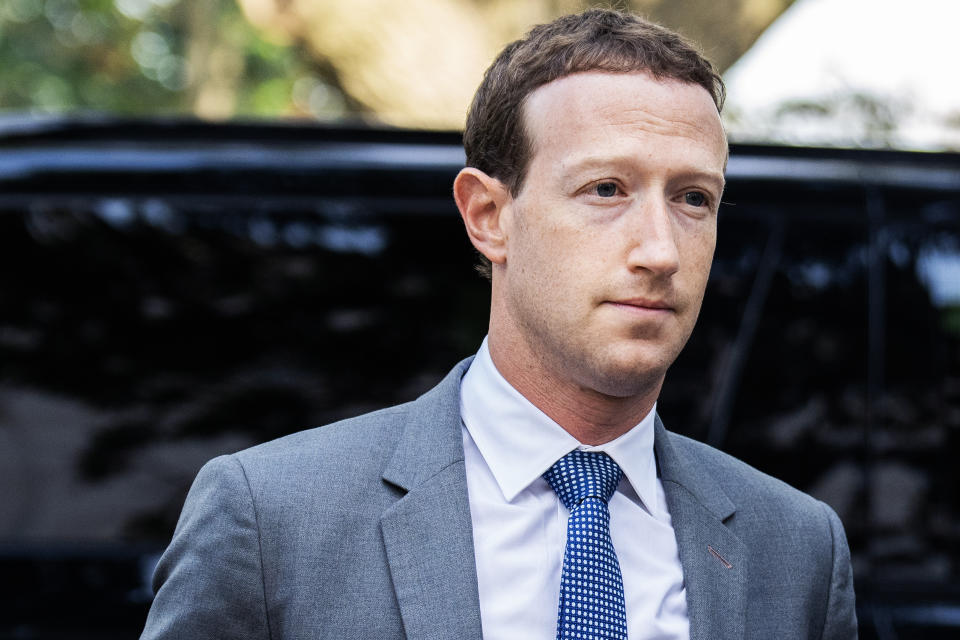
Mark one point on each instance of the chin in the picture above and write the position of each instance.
(628, 377)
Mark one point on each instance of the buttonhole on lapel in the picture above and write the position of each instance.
(719, 557)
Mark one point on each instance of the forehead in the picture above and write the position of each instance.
(600, 110)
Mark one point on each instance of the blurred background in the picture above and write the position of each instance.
(228, 220)
(874, 73)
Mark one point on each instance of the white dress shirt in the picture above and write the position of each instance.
(520, 526)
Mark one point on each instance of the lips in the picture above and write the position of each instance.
(648, 304)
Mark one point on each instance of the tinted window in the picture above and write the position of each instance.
(141, 337)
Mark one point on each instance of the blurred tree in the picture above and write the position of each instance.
(144, 57)
(725, 29)
(414, 63)
(60, 54)
(417, 63)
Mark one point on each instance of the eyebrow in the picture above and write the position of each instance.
(716, 178)
(591, 162)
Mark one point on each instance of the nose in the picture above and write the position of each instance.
(652, 236)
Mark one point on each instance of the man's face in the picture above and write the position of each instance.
(610, 240)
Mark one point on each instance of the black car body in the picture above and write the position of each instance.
(174, 290)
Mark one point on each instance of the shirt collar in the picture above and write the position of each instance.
(519, 442)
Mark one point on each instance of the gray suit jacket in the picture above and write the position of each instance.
(361, 529)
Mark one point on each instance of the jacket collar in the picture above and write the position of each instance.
(432, 439)
(428, 533)
(714, 559)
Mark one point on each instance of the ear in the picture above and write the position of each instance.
(481, 200)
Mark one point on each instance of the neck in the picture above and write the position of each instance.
(590, 416)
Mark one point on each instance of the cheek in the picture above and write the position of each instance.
(698, 250)
(547, 245)
(552, 278)
(701, 242)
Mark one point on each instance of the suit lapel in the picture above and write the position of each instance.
(713, 558)
(427, 534)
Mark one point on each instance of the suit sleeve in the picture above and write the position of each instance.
(209, 581)
(840, 622)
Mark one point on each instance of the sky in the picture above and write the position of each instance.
(906, 54)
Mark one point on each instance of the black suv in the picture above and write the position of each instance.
(172, 290)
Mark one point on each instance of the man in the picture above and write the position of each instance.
(595, 161)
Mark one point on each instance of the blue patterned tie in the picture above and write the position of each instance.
(591, 586)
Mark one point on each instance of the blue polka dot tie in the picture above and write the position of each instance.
(591, 586)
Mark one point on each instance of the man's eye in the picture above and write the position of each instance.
(606, 189)
(695, 198)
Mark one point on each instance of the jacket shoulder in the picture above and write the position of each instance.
(763, 504)
(344, 458)
(363, 432)
(788, 534)
(370, 438)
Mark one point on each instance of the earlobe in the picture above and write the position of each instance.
(481, 200)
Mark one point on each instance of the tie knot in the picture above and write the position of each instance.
(583, 474)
